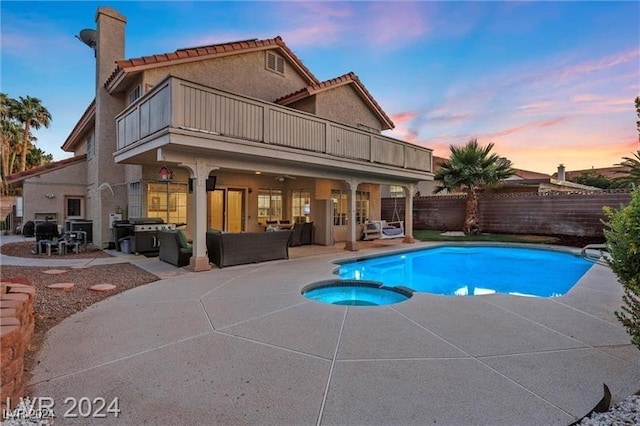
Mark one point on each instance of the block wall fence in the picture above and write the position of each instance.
(16, 330)
(572, 214)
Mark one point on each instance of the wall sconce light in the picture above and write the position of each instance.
(50, 195)
(250, 190)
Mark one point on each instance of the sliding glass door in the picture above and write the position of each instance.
(226, 210)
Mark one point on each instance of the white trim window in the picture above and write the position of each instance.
(341, 207)
(300, 205)
(91, 145)
(74, 207)
(134, 94)
(269, 205)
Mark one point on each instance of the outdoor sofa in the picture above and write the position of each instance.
(228, 249)
(174, 248)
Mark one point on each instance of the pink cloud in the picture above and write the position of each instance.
(524, 127)
(539, 105)
(402, 117)
(600, 64)
(394, 22)
(17, 43)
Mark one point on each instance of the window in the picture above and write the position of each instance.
(396, 191)
(269, 205)
(134, 94)
(362, 207)
(74, 207)
(168, 201)
(135, 199)
(300, 205)
(275, 63)
(91, 146)
(341, 207)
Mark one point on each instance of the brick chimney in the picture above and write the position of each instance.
(109, 42)
(110, 47)
(561, 174)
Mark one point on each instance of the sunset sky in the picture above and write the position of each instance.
(547, 82)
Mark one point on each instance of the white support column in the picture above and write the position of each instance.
(409, 190)
(199, 172)
(352, 243)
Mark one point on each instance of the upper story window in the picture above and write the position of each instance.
(134, 94)
(91, 146)
(275, 63)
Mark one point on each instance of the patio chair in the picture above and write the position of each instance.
(174, 248)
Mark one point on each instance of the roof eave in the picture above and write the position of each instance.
(81, 128)
(46, 168)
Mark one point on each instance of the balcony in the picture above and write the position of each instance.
(227, 121)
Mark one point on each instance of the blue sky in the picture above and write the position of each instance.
(547, 82)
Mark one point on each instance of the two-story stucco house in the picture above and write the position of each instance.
(249, 115)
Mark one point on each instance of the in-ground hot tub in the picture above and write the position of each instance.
(355, 293)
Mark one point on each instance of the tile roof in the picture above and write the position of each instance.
(526, 174)
(204, 52)
(608, 172)
(45, 168)
(349, 78)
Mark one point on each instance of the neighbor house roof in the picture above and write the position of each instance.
(191, 54)
(349, 78)
(608, 172)
(45, 168)
(529, 175)
(87, 120)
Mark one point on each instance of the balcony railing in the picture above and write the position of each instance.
(177, 103)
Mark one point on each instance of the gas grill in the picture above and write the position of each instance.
(143, 233)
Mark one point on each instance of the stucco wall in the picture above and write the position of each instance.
(344, 105)
(65, 182)
(306, 105)
(242, 73)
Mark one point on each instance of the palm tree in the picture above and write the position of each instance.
(9, 138)
(30, 112)
(470, 168)
(633, 177)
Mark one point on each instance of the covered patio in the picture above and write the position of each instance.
(175, 126)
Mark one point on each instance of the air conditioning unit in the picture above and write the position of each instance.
(113, 217)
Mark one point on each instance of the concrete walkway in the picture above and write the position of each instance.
(241, 345)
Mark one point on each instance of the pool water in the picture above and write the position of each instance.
(474, 270)
(352, 293)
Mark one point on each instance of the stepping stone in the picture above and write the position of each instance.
(55, 271)
(102, 287)
(61, 286)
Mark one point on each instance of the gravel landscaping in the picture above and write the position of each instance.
(52, 305)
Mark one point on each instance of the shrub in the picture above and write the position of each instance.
(622, 233)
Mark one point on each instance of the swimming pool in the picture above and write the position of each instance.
(474, 270)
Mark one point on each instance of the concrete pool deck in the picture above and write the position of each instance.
(241, 345)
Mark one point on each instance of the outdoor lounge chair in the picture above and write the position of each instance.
(174, 248)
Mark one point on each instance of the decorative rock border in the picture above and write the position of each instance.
(16, 330)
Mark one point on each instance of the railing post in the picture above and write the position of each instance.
(176, 103)
(266, 124)
(326, 137)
